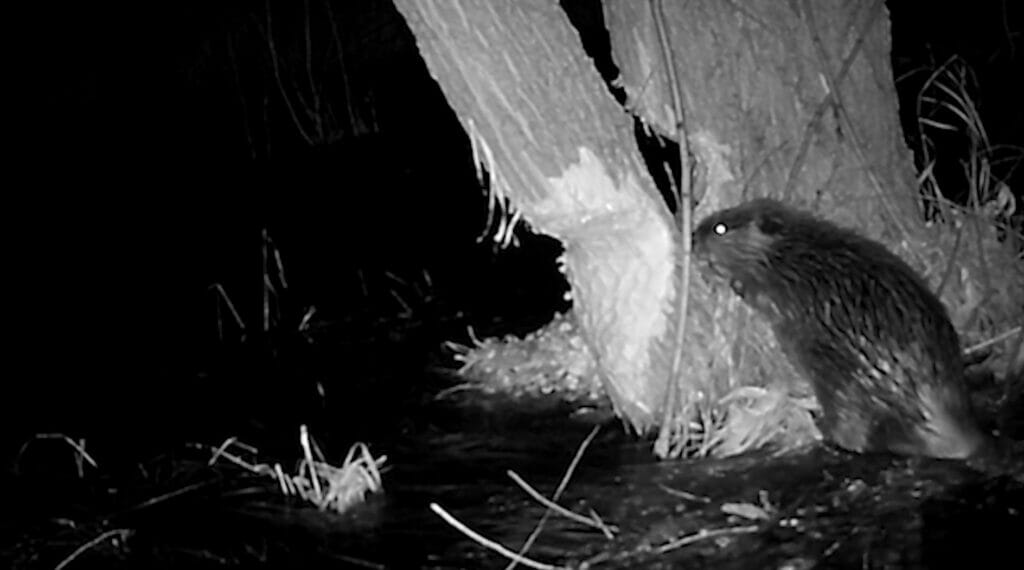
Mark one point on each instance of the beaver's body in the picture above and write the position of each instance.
(875, 343)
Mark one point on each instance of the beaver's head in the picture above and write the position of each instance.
(734, 245)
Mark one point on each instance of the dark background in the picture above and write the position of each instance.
(152, 147)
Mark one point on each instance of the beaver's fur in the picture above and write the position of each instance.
(875, 343)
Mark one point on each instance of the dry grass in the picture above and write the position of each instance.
(315, 481)
(945, 104)
(80, 456)
(981, 263)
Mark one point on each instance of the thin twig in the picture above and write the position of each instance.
(275, 65)
(79, 448)
(558, 491)
(554, 507)
(487, 542)
(266, 282)
(166, 496)
(122, 532)
(336, 36)
(304, 442)
(314, 113)
(703, 534)
(222, 450)
(684, 214)
(278, 263)
(684, 494)
(231, 306)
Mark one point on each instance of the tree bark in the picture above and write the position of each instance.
(788, 99)
(562, 153)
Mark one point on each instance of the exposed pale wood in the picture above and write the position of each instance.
(559, 147)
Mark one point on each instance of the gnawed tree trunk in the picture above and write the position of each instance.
(794, 100)
(562, 152)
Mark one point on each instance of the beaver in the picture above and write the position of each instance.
(858, 323)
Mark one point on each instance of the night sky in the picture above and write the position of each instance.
(153, 147)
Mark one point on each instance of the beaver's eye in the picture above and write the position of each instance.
(720, 228)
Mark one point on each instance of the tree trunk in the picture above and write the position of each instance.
(794, 100)
(561, 151)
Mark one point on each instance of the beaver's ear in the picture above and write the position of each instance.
(770, 222)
